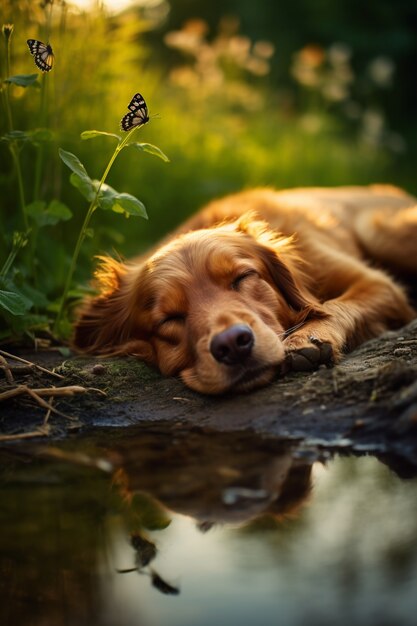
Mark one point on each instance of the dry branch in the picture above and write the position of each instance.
(32, 365)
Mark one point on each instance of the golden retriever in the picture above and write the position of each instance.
(259, 282)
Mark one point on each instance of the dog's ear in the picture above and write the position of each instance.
(106, 323)
(282, 264)
(288, 282)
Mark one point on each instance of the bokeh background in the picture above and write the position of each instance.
(308, 92)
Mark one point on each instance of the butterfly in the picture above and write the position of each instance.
(138, 113)
(42, 54)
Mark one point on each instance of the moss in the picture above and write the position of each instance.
(119, 377)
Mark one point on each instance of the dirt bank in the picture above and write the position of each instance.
(369, 401)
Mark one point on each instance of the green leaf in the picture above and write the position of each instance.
(35, 296)
(91, 134)
(14, 303)
(40, 135)
(130, 205)
(89, 233)
(64, 352)
(149, 147)
(79, 177)
(23, 80)
(48, 216)
(29, 322)
(111, 200)
(58, 212)
(8, 285)
(106, 197)
(85, 186)
(36, 210)
(15, 135)
(74, 164)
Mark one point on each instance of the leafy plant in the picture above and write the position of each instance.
(100, 195)
(25, 303)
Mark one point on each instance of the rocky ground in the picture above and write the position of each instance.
(366, 403)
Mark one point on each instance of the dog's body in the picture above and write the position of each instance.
(227, 299)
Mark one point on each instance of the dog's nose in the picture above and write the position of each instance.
(232, 345)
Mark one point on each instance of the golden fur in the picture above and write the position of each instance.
(257, 282)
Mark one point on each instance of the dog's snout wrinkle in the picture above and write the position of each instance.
(233, 345)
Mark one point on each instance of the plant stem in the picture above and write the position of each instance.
(43, 114)
(7, 106)
(13, 145)
(40, 152)
(41, 147)
(15, 155)
(18, 242)
(8, 263)
(81, 236)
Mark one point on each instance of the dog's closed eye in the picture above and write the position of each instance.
(237, 282)
(172, 318)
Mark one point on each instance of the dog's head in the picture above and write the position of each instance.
(211, 306)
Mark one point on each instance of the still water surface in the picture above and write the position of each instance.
(202, 529)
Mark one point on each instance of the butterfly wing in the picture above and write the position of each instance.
(127, 121)
(132, 119)
(42, 54)
(138, 113)
(33, 45)
(137, 102)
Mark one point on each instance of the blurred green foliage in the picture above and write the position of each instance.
(265, 93)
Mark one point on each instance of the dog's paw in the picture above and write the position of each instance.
(307, 354)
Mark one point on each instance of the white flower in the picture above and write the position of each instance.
(381, 70)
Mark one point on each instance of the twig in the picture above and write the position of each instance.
(19, 369)
(7, 370)
(43, 431)
(35, 365)
(48, 412)
(46, 405)
(48, 391)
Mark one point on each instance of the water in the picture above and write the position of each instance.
(192, 528)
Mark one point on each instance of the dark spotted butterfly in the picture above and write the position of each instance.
(138, 113)
(42, 54)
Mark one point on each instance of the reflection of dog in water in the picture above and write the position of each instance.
(216, 479)
(223, 478)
